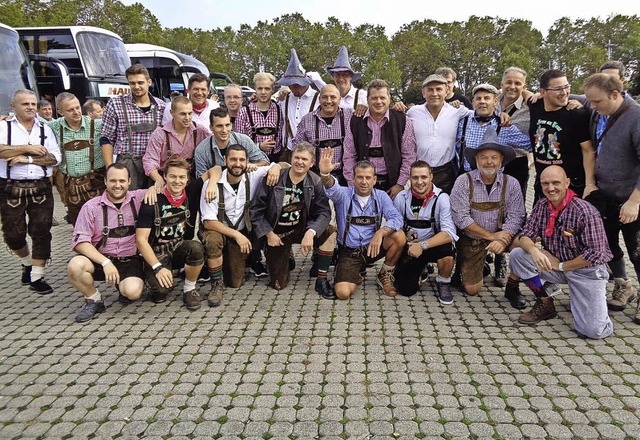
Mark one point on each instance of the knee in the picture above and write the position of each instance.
(343, 290)
(472, 289)
(399, 239)
(76, 267)
(132, 288)
(195, 253)
(213, 244)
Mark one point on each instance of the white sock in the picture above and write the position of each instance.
(443, 280)
(26, 261)
(189, 285)
(37, 272)
(388, 268)
(95, 297)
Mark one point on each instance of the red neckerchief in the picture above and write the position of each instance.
(555, 212)
(175, 202)
(200, 108)
(425, 199)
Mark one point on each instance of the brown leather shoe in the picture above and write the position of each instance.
(385, 280)
(215, 294)
(191, 299)
(541, 310)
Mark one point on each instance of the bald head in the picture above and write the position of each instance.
(329, 101)
(555, 183)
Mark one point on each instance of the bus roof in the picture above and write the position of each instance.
(143, 50)
(73, 29)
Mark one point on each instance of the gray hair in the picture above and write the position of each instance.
(514, 69)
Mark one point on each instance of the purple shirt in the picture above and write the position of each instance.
(89, 225)
(313, 123)
(464, 216)
(156, 154)
(407, 150)
(578, 231)
(243, 125)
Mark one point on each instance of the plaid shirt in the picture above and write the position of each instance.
(76, 163)
(157, 152)
(506, 136)
(463, 215)
(242, 124)
(578, 232)
(313, 123)
(114, 126)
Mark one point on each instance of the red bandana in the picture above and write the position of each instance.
(175, 202)
(555, 212)
(425, 198)
(199, 109)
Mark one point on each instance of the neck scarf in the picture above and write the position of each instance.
(425, 198)
(555, 212)
(176, 202)
(200, 109)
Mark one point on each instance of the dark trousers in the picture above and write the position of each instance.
(444, 176)
(519, 168)
(409, 269)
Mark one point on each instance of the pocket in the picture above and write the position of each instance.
(14, 203)
(40, 199)
(571, 242)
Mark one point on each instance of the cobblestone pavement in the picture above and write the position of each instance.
(291, 365)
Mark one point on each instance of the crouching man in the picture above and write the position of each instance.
(574, 252)
(430, 231)
(105, 237)
(362, 238)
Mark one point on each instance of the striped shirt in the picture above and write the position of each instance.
(463, 215)
(76, 163)
(578, 232)
(272, 120)
(313, 128)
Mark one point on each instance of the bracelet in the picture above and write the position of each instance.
(30, 159)
(560, 267)
(325, 175)
(105, 262)
(157, 267)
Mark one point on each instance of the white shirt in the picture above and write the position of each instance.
(200, 119)
(20, 136)
(345, 101)
(298, 107)
(436, 139)
(234, 202)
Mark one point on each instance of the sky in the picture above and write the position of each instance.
(210, 14)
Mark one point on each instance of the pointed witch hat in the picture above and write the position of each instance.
(295, 73)
(342, 64)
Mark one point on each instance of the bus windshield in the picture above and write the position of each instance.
(13, 67)
(103, 55)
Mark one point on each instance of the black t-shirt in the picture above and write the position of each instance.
(556, 137)
(463, 99)
(416, 206)
(292, 206)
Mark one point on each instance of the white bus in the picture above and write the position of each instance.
(15, 70)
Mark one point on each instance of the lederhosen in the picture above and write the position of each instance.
(81, 189)
(363, 220)
(167, 142)
(487, 206)
(120, 231)
(166, 247)
(331, 143)
(222, 213)
(263, 131)
(415, 223)
(287, 126)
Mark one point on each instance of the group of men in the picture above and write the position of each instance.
(440, 183)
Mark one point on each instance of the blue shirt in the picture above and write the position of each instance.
(360, 236)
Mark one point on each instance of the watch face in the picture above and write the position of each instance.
(424, 245)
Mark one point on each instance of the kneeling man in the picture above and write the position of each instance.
(574, 251)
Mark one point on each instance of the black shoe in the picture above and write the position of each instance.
(500, 277)
(204, 275)
(26, 275)
(158, 297)
(91, 308)
(123, 300)
(41, 287)
(313, 271)
(292, 262)
(486, 270)
(323, 287)
(258, 270)
(515, 298)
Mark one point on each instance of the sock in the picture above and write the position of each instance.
(324, 261)
(617, 268)
(443, 280)
(26, 261)
(95, 297)
(215, 272)
(388, 268)
(189, 285)
(512, 283)
(37, 272)
(535, 284)
(620, 280)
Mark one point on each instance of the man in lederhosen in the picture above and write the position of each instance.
(82, 163)
(28, 152)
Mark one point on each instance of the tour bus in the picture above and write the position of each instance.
(96, 60)
(169, 70)
(15, 70)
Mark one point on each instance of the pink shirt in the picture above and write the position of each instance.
(89, 224)
(156, 154)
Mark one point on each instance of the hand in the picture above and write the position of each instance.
(455, 104)
(588, 189)
(36, 150)
(18, 159)
(251, 167)
(374, 247)
(415, 249)
(504, 237)
(534, 98)
(306, 245)
(159, 185)
(273, 175)
(394, 191)
(151, 196)
(111, 275)
(283, 93)
(555, 263)
(326, 165)
(505, 120)
(629, 212)
(541, 260)
(267, 146)
(361, 109)
(273, 240)
(215, 97)
(165, 278)
(211, 191)
(243, 242)
(400, 107)
(496, 247)
(574, 104)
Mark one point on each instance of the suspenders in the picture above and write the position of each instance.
(42, 138)
(222, 213)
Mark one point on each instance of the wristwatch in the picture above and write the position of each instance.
(425, 245)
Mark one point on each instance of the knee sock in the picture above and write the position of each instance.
(189, 285)
(513, 283)
(324, 261)
(37, 272)
(215, 272)
(535, 284)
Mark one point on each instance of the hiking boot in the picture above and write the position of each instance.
(204, 275)
(91, 308)
(623, 293)
(257, 269)
(541, 310)
(158, 297)
(214, 298)
(500, 278)
(323, 287)
(385, 280)
(444, 293)
(636, 318)
(26, 275)
(191, 299)
(515, 297)
(41, 287)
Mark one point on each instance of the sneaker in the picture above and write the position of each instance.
(158, 297)
(26, 275)
(41, 287)
(91, 308)
(123, 300)
(500, 278)
(258, 270)
(323, 287)
(515, 297)
(214, 298)
(544, 308)
(204, 275)
(444, 293)
(191, 299)
(292, 262)
(385, 280)
(623, 293)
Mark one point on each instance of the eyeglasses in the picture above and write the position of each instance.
(564, 88)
